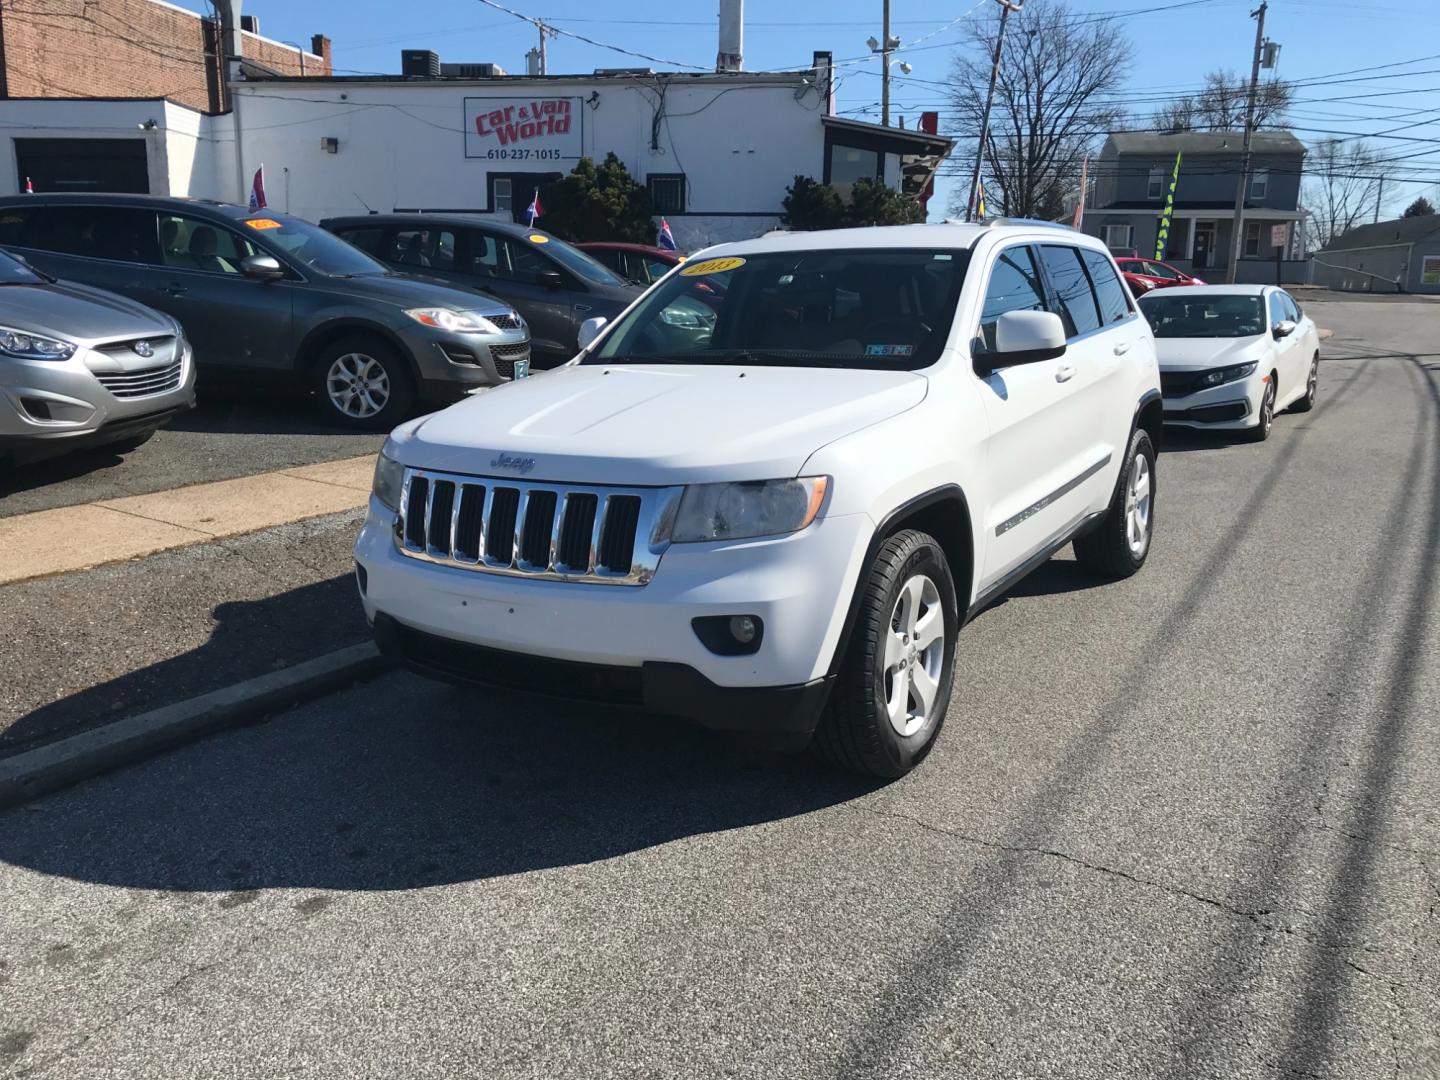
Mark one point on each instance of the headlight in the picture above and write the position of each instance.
(389, 479)
(27, 346)
(465, 322)
(752, 508)
(1228, 374)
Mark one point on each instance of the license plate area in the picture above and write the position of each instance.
(522, 368)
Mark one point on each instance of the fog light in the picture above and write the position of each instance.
(730, 635)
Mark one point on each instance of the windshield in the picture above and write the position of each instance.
(864, 308)
(1192, 316)
(15, 272)
(312, 246)
(577, 262)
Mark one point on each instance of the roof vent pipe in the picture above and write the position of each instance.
(732, 36)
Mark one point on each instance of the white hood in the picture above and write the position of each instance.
(1197, 354)
(656, 424)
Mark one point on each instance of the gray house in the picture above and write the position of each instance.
(1389, 256)
(1132, 177)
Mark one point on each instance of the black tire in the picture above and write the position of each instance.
(1109, 550)
(1312, 385)
(351, 358)
(856, 732)
(133, 442)
(1261, 431)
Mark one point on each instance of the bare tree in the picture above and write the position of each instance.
(1344, 182)
(1220, 106)
(1421, 207)
(1054, 100)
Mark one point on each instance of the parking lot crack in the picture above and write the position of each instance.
(1256, 916)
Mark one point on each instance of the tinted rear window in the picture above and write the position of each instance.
(1109, 292)
(98, 232)
(1071, 285)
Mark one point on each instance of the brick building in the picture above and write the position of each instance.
(145, 59)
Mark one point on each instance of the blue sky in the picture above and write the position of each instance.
(1322, 41)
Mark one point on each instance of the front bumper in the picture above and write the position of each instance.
(798, 586)
(49, 407)
(449, 362)
(1231, 406)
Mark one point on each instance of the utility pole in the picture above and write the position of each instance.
(1379, 194)
(885, 67)
(1237, 238)
(544, 69)
(1006, 6)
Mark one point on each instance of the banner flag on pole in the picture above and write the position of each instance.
(1080, 205)
(534, 210)
(666, 238)
(1164, 232)
(257, 189)
(980, 200)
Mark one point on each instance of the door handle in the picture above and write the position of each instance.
(582, 308)
(1064, 373)
(176, 289)
(1122, 348)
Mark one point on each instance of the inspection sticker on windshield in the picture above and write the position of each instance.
(263, 223)
(538, 238)
(711, 266)
(889, 350)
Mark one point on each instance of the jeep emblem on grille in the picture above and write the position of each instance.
(521, 465)
(143, 348)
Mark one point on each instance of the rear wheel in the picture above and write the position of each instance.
(1119, 545)
(889, 703)
(362, 383)
(1312, 384)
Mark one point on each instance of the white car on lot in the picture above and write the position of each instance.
(768, 495)
(1232, 356)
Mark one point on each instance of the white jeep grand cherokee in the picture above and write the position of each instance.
(770, 493)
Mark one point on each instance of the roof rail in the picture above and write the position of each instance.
(1027, 223)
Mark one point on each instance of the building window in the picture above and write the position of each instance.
(1252, 239)
(1155, 185)
(502, 195)
(1119, 236)
(1259, 183)
(667, 192)
(849, 164)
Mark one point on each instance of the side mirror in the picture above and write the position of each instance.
(1024, 337)
(1283, 329)
(590, 330)
(551, 279)
(262, 267)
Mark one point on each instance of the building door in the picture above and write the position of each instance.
(1204, 244)
(83, 165)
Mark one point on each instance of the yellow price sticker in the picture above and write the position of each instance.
(712, 266)
(263, 223)
(536, 238)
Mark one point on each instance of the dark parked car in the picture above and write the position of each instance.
(262, 293)
(553, 285)
(639, 263)
(1147, 275)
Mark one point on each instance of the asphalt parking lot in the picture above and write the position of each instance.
(1183, 826)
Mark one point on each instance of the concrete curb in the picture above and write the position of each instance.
(56, 765)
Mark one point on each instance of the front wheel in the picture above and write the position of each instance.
(1118, 546)
(363, 384)
(889, 702)
(1312, 385)
(1261, 431)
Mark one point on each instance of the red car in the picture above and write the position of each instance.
(639, 263)
(1146, 275)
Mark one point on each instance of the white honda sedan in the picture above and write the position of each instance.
(1232, 356)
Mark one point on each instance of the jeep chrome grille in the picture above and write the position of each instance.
(556, 532)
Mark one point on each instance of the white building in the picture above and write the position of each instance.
(716, 150)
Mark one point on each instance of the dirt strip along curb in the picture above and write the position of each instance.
(48, 768)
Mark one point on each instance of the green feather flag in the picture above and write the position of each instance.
(1164, 233)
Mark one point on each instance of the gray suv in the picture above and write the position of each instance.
(265, 294)
(80, 367)
(555, 286)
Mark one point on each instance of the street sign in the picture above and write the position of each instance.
(1278, 235)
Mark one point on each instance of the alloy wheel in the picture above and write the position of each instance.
(914, 655)
(358, 386)
(1137, 506)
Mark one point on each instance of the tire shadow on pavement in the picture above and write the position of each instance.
(404, 783)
